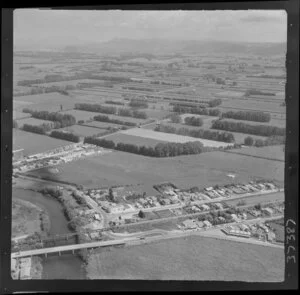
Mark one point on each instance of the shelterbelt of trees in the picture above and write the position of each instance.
(271, 140)
(169, 149)
(102, 118)
(138, 103)
(258, 92)
(110, 110)
(261, 130)
(42, 129)
(197, 110)
(60, 120)
(65, 136)
(78, 76)
(248, 116)
(199, 133)
(193, 121)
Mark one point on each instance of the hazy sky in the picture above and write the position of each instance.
(42, 29)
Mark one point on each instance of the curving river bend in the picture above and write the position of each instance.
(56, 267)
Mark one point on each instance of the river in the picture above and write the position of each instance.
(55, 267)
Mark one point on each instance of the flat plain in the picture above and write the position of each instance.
(190, 258)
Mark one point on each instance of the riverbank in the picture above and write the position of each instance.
(56, 267)
(27, 219)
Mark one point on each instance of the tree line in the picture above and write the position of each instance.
(197, 110)
(256, 116)
(257, 92)
(138, 103)
(170, 149)
(262, 130)
(60, 120)
(271, 140)
(65, 136)
(114, 102)
(34, 129)
(199, 133)
(110, 110)
(101, 118)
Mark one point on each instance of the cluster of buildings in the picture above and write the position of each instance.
(21, 268)
(55, 157)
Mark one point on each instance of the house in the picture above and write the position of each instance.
(205, 207)
(97, 217)
(267, 211)
(219, 206)
(189, 224)
(207, 224)
(222, 219)
(271, 237)
(235, 218)
(200, 224)
(209, 188)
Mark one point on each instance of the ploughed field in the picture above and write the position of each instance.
(207, 169)
(190, 258)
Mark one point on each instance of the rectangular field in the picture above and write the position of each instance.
(19, 115)
(33, 121)
(80, 115)
(268, 152)
(83, 131)
(207, 169)
(35, 143)
(147, 133)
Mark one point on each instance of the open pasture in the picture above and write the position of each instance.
(33, 121)
(148, 133)
(83, 131)
(247, 104)
(19, 115)
(33, 143)
(204, 170)
(190, 258)
(80, 115)
(267, 152)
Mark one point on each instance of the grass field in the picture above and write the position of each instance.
(33, 143)
(44, 102)
(80, 115)
(147, 133)
(83, 130)
(33, 121)
(190, 258)
(19, 115)
(132, 139)
(269, 152)
(25, 218)
(120, 168)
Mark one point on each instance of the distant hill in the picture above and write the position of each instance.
(161, 46)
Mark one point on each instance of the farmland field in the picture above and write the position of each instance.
(147, 133)
(132, 139)
(120, 168)
(35, 143)
(20, 115)
(44, 102)
(190, 258)
(102, 125)
(269, 152)
(83, 130)
(80, 115)
(33, 121)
